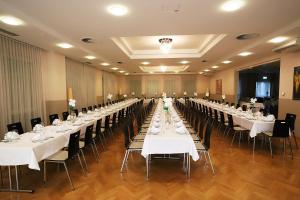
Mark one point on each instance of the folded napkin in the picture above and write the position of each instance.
(179, 124)
(80, 114)
(258, 114)
(226, 105)
(180, 130)
(154, 130)
(240, 109)
(269, 118)
(89, 112)
(56, 122)
(96, 110)
(11, 135)
(38, 128)
(156, 124)
(38, 137)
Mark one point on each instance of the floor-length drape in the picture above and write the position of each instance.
(110, 85)
(21, 86)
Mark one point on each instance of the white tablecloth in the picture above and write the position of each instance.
(26, 152)
(167, 141)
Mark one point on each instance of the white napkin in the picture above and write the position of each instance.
(96, 110)
(156, 124)
(11, 135)
(154, 130)
(269, 118)
(179, 124)
(56, 122)
(180, 130)
(89, 112)
(38, 137)
(38, 128)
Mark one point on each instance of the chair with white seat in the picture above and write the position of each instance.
(62, 156)
(205, 146)
(97, 135)
(130, 146)
(235, 129)
(89, 141)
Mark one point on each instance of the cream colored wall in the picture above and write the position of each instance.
(228, 81)
(202, 82)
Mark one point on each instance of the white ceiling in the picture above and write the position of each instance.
(53, 21)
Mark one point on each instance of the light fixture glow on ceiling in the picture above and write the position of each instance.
(201, 72)
(226, 61)
(163, 68)
(117, 10)
(151, 72)
(184, 62)
(165, 45)
(215, 67)
(245, 53)
(145, 63)
(105, 64)
(278, 39)
(64, 45)
(121, 71)
(126, 74)
(232, 5)
(206, 70)
(10, 20)
(265, 77)
(114, 68)
(90, 57)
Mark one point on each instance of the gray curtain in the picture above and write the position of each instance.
(152, 88)
(110, 85)
(20, 83)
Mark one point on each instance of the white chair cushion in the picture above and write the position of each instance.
(81, 144)
(139, 137)
(195, 137)
(59, 156)
(199, 146)
(136, 145)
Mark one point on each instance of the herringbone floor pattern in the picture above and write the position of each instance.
(239, 175)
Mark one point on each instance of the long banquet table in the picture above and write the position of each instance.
(26, 151)
(168, 140)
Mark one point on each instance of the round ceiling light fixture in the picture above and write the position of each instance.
(10, 20)
(232, 5)
(117, 10)
(165, 44)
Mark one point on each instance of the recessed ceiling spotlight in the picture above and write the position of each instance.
(105, 64)
(10, 20)
(215, 67)
(201, 72)
(90, 57)
(245, 53)
(232, 5)
(151, 72)
(114, 68)
(117, 10)
(184, 62)
(64, 45)
(278, 39)
(127, 74)
(163, 68)
(206, 70)
(226, 61)
(121, 71)
(145, 63)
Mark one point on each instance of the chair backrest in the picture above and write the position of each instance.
(35, 121)
(281, 129)
(201, 128)
(106, 123)
(290, 119)
(15, 127)
(98, 127)
(74, 144)
(230, 121)
(222, 118)
(76, 111)
(208, 130)
(53, 117)
(65, 115)
(126, 133)
(216, 113)
(244, 107)
(83, 110)
(90, 108)
(95, 106)
(88, 137)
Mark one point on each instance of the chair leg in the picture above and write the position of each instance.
(97, 152)
(240, 138)
(271, 151)
(212, 167)
(45, 171)
(291, 150)
(124, 160)
(232, 139)
(83, 160)
(71, 183)
(84, 172)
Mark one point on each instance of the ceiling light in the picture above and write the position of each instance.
(201, 72)
(126, 74)
(10, 20)
(226, 61)
(117, 10)
(232, 5)
(64, 45)
(90, 57)
(176, 72)
(121, 71)
(184, 62)
(163, 68)
(114, 68)
(105, 64)
(206, 70)
(145, 63)
(151, 72)
(165, 44)
(278, 39)
(215, 67)
(265, 77)
(246, 53)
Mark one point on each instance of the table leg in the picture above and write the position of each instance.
(253, 149)
(147, 166)
(17, 183)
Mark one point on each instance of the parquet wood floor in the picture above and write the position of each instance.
(239, 175)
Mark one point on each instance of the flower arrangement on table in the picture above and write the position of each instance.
(132, 94)
(195, 94)
(109, 97)
(223, 98)
(252, 103)
(125, 96)
(72, 105)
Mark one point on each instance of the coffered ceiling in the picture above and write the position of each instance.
(202, 33)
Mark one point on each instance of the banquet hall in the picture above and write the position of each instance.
(139, 99)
